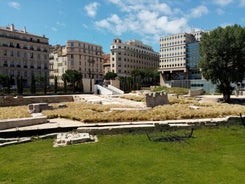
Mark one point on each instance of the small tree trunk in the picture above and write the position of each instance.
(227, 94)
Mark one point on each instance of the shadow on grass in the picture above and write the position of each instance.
(164, 136)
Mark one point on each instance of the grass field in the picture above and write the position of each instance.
(212, 156)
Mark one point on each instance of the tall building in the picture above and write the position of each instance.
(76, 55)
(179, 58)
(173, 56)
(23, 54)
(128, 56)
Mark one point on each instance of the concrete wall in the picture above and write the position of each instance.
(115, 89)
(102, 91)
(88, 85)
(196, 92)
(15, 123)
(156, 98)
(20, 100)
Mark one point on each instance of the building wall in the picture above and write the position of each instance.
(106, 63)
(23, 54)
(173, 53)
(193, 57)
(76, 55)
(128, 56)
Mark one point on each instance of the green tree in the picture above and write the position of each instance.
(73, 77)
(33, 84)
(223, 57)
(55, 84)
(19, 85)
(110, 76)
(43, 83)
(65, 85)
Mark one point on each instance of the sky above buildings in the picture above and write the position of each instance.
(101, 21)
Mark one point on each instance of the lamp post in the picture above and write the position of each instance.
(91, 61)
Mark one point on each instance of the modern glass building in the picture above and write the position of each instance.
(193, 57)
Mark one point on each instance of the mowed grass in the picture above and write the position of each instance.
(213, 156)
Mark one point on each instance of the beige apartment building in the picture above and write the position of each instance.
(23, 54)
(128, 56)
(76, 55)
(106, 63)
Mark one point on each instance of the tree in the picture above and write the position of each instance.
(223, 57)
(73, 77)
(19, 85)
(33, 84)
(110, 76)
(55, 84)
(43, 83)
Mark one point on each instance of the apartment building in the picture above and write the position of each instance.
(106, 63)
(128, 56)
(23, 54)
(76, 55)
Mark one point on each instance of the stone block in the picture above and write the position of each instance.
(156, 98)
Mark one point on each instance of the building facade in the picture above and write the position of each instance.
(173, 56)
(23, 54)
(76, 55)
(128, 56)
(179, 58)
(106, 63)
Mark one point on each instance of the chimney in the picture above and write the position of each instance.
(24, 29)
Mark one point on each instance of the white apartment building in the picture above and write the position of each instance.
(128, 56)
(77, 55)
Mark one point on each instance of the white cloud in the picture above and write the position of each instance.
(199, 11)
(220, 11)
(60, 24)
(223, 2)
(242, 3)
(150, 19)
(14, 5)
(91, 9)
(54, 29)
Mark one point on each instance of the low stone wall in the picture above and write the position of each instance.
(196, 92)
(156, 98)
(15, 123)
(20, 100)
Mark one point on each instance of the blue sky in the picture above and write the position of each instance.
(100, 21)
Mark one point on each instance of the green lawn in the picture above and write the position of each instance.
(212, 156)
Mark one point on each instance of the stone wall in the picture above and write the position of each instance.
(20, 100)
(14, 123)
(197, 92)
(156, 98)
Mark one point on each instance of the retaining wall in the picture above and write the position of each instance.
(15, 123)
(20, 100)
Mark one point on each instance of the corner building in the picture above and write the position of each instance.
(23, 54)
(128, 56)
(76, 55)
